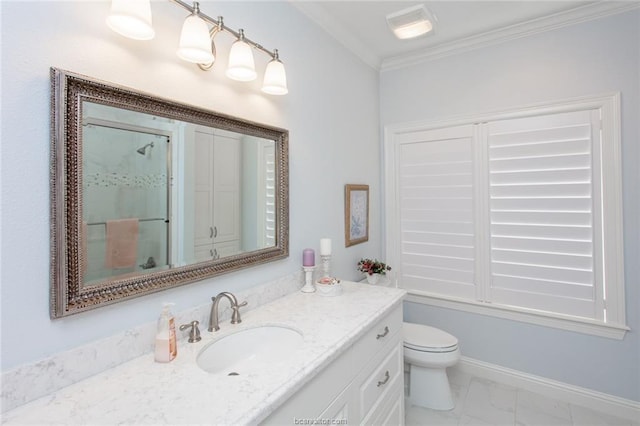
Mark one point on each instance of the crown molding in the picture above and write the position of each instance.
(580, 14)
(337, 31)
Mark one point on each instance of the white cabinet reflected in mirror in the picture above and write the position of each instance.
(148, 194)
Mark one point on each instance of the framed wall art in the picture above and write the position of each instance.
(356, 214)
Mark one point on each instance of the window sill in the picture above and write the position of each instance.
(579, 325)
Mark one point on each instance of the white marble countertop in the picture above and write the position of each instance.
(144, 392)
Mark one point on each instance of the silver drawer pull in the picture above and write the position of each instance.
(386, 379)
(386, 331)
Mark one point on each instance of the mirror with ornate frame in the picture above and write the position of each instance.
(149, 194)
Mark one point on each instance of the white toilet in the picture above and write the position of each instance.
(429, 351)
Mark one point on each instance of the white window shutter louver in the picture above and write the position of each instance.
(542, 190)
(437, 212)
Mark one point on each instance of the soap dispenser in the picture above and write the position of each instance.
(166, 349)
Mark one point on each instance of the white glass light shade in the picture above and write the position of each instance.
(412, 30)
(241, 65)
(131, 18)
(195, 41)
(275, 79)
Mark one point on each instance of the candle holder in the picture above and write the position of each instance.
(326, 284)
(308, 279)
(325, 260)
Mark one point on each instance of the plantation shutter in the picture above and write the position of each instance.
(436, 209)
(270, 198)
(543, 185)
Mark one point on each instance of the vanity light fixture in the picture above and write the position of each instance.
(275, 78)
(411, 22)
(241, 65)
(195, 42)
(132, 18)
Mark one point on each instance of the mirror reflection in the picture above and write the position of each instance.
(160, 193)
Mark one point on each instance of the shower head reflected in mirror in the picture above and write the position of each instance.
(143, 150)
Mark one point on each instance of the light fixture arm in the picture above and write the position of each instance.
(220, 26)
(212, 33)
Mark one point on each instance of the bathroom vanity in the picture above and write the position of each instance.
(347, 366)
(363, 386)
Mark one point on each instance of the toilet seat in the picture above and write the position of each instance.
(423, 338)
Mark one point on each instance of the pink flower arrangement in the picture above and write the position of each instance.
(374, 266)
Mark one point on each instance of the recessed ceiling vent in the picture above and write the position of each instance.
(411, 22)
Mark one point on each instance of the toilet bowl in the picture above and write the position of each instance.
(429, 351)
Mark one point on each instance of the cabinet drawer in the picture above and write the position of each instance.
(391, 411)
(380, 335)
(381, 380)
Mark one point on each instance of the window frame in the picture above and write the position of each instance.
(612, 247)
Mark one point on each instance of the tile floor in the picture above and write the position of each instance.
(480, 402)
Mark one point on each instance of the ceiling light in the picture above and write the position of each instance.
(411, 22)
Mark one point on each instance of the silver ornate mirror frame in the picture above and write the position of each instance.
(67, 294)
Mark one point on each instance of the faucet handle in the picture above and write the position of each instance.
(235, 315)
(194, 333)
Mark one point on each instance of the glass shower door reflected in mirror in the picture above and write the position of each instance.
(125, 180)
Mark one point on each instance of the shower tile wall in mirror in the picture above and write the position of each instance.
(148, 194)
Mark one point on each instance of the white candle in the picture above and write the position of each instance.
(325, 246)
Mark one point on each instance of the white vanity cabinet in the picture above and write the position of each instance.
(364, 385)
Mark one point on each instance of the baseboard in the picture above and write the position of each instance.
(610, 404)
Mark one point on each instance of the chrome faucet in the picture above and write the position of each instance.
(235, 315)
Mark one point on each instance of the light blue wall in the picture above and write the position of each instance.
(585, 59)
(331, 112)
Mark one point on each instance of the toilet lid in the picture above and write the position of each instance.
(428, 339)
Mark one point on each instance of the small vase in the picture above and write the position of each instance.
(373, 279)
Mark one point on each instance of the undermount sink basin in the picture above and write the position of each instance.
(249, 349)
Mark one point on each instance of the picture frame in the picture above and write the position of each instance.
(356, 214)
